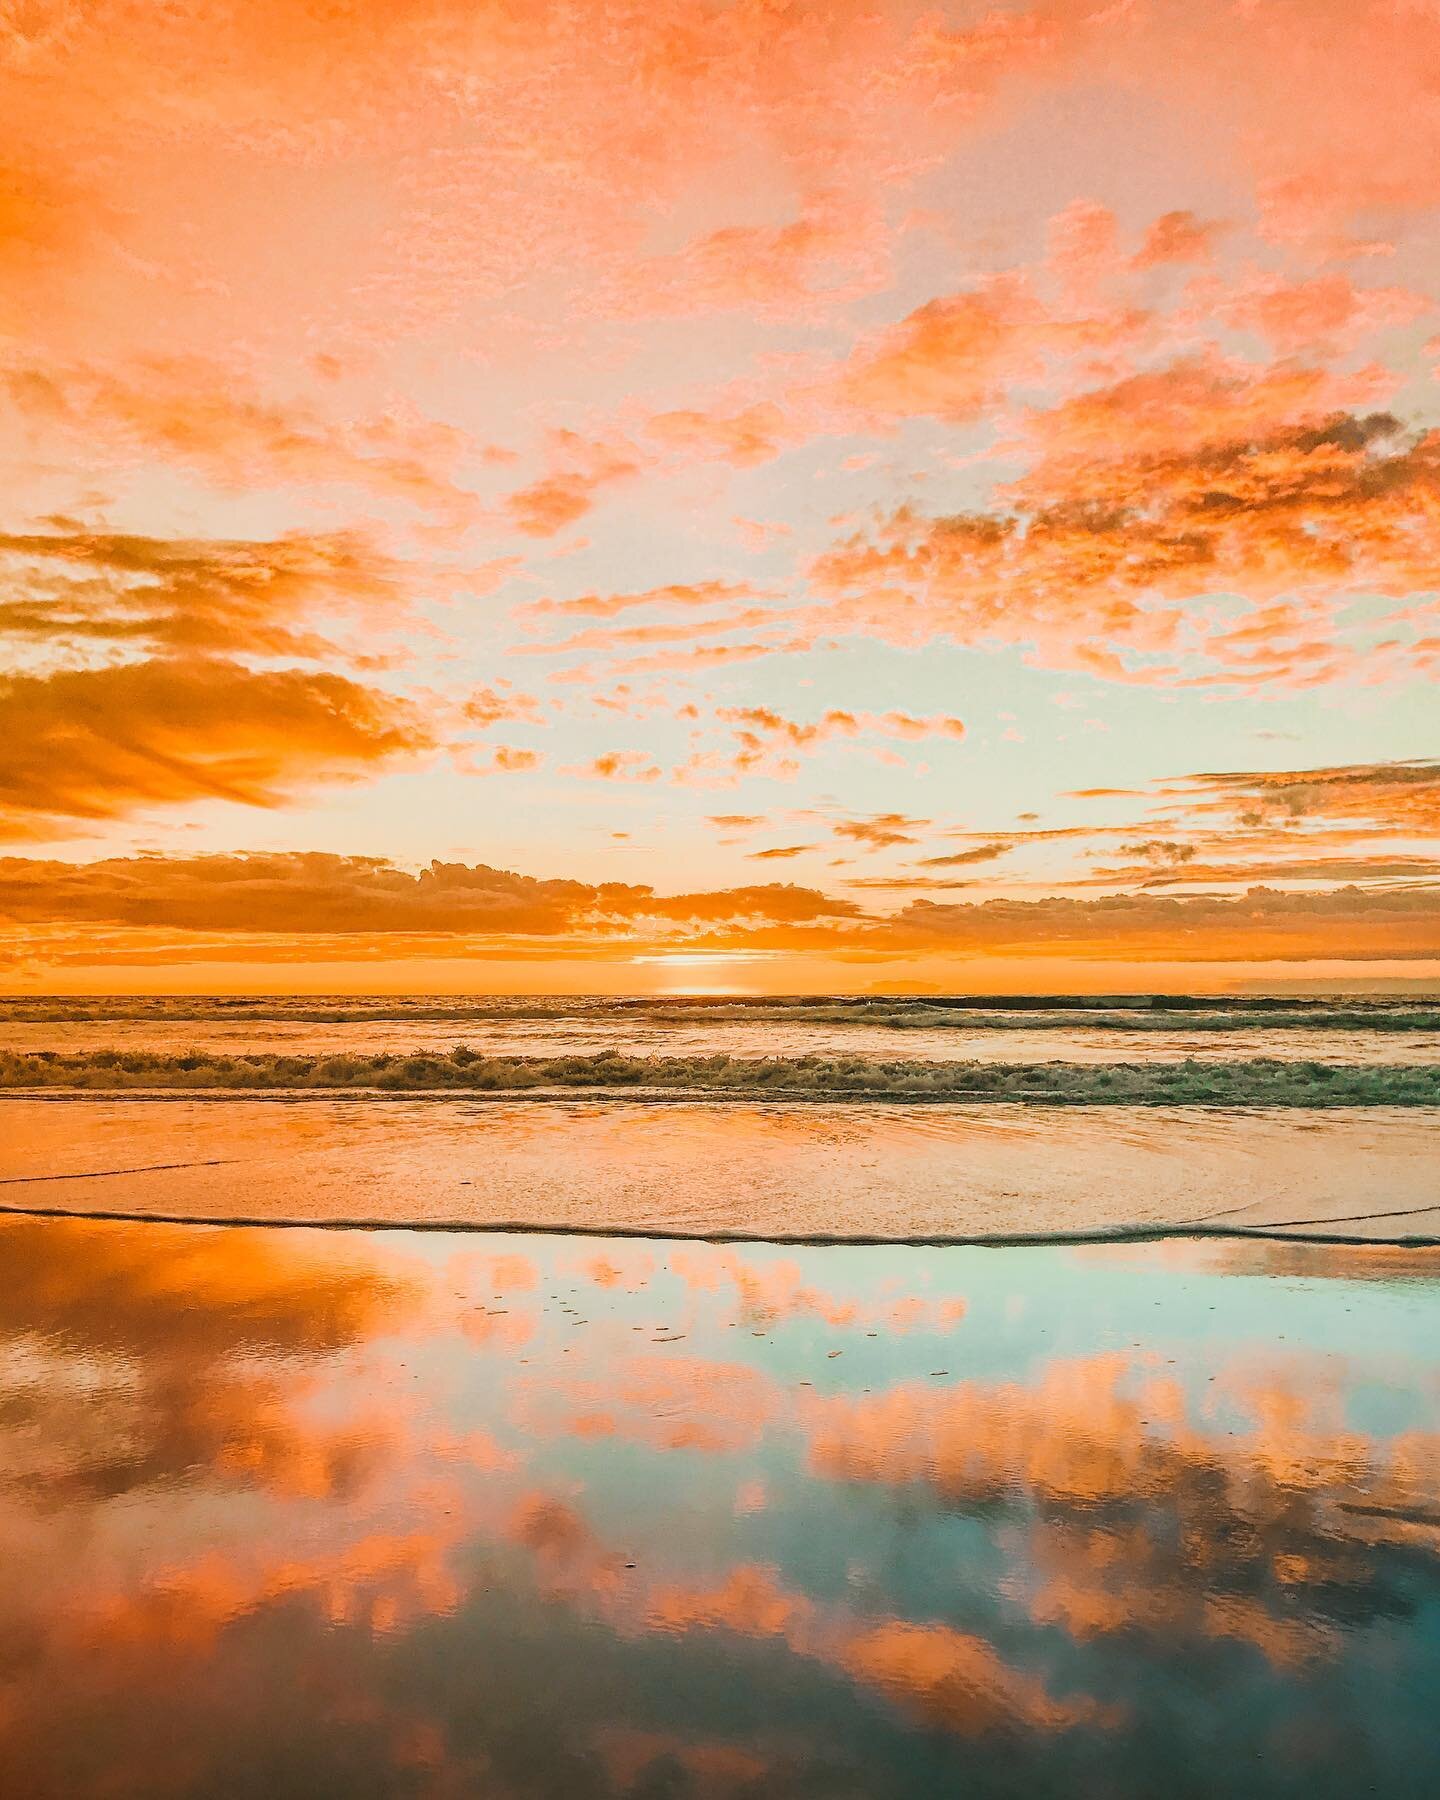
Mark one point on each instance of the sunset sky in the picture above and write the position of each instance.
(765, 495)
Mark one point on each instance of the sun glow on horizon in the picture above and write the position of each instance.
(687, 966)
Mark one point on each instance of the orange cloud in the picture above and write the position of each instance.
(1323, 312)
(1116, 534)
(621, 765)
(1353, 822)
(774, 1289)
(882, 831)
(667, 1402)
(606, 606)
(758, 722)
(385, 1580)
(982, 853)
(316, 892)
(191, 412)
(951, 358)
(221, 1330)
(1191, 414)
(745, 438)
(1177, 237)
(910, 884)
(507, 759)
(950, 1679)
(831, 252)
(1172, 865)
(318, 906)
(1260, 925)
(70, 587)
(1310, 145)
(1399, 797)
(502, 705)
(750, 1601)
(207, 1292)
(766, 740)
(556, 500)
(94, 744)
(956, 1681)
(630, 635)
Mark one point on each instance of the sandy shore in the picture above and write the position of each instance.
(387, 1512)
(806, 1171)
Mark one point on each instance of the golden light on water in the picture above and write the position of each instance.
(703, 972)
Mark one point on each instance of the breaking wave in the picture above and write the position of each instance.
(1258, 1082)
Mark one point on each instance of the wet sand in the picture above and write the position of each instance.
(771, 1170)
(385, 1513)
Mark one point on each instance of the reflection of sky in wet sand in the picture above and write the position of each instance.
(296, 1512)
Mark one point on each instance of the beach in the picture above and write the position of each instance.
(743, 1167)
(390, 1511)
(635, 1440)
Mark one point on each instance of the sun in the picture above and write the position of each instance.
(700, 972)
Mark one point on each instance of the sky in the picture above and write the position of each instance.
(754, 495)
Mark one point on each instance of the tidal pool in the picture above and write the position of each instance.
(389, 1512)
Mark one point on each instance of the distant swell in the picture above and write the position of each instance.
(1145, 1013)
(1260, 1082)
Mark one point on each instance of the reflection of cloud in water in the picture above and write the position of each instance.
(664, 1402)
(945, 1677)
(1288, 1259)
(177, 1289)
(1135, 1521)
(1335, 1262)
(377, 1514)
(169, 1354)
(767, 1292)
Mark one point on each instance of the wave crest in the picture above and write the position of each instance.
(1259, 1082)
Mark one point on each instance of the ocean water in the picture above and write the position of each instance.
(1038, 1029)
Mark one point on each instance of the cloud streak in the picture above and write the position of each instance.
(90, 745)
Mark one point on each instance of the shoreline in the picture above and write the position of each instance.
(1289, 1231)
(748, 1170)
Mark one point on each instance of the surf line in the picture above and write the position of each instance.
(1279, 1231)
